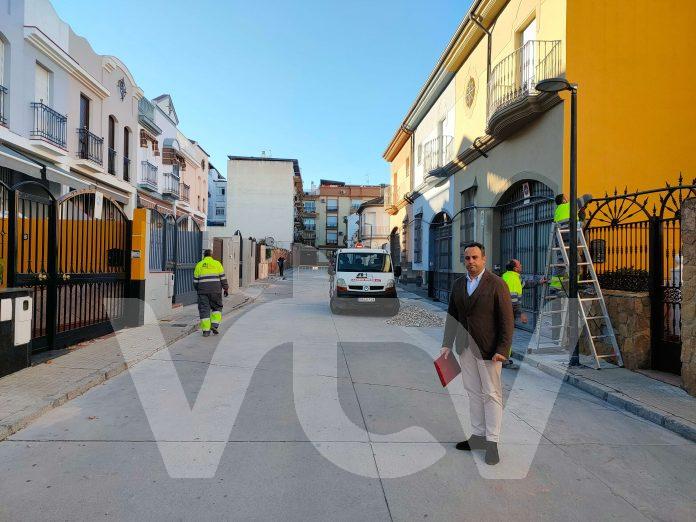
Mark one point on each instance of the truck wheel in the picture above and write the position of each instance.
(334, 307)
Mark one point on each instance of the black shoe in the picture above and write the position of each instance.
(215, 331)
(206, 333)
(474, 442)
(492, 456)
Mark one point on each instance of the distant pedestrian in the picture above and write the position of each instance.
(281, 265)
(480, 321)
(210, 282)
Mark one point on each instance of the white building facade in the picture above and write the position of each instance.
(217, 198)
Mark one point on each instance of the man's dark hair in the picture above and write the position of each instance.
(510, 265)
(559, 199)
(207, 252)
(477, 245)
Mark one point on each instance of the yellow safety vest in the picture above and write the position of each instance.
(513, 281)
(562, 213)
(209, 276)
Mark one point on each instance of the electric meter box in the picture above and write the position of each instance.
(16, 314)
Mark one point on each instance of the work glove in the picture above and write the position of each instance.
(226, 293)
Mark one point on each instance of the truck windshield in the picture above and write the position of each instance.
(364, 262)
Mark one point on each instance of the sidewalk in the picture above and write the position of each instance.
(29, 393)
(669, 406)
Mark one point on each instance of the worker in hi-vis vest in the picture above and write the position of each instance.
(515, 284)
(210, 282)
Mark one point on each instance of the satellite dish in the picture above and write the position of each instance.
(269, 241)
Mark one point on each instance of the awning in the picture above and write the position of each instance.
(121, 197)
(14, 160)
(64, 177)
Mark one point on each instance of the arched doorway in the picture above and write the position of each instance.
(526, 217)
(440, 257)
(395, 246)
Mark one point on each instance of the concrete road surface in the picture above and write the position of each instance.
(295, 414)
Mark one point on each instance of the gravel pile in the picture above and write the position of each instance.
(416, 316)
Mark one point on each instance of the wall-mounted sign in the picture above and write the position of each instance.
(135, 254)
(526, 192)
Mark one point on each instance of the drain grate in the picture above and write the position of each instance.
(179, 324)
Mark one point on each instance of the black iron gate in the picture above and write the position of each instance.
(440, 257)
(189, 244)
(526, 218)
(635, 243)
(72, 254)
(395, 246)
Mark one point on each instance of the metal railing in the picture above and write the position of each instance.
(146, 111)
(171, 185)
(185, 191)
(516, 75)
(126, 169)
(3, 115)
(49, 124)
(90, 146)
(148, 175)
(437, 153)
(332, 226)
(367, 230)
(111, 161)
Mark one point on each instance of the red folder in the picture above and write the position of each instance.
(447, 369)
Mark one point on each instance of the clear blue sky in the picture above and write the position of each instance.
(325, 81)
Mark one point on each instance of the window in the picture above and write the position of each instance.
(42, 85)
(467, 230)
(355, 204)
(310, 206)
(418, 238)
(112, 145)
(332, 204)
(126, 154)
(309, 223)
(2, 63)
(221, 191)
(364, 262)
(331, 221)
(331, 238)
(219, 211)
(419, 156)
(203, 164)
(84, 112)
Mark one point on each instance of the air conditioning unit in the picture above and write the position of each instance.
(340, 233)
(322, 200)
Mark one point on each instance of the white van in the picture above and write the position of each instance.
(364, 278)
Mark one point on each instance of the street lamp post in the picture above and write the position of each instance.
(556, 85)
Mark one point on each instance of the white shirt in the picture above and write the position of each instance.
(472, 284)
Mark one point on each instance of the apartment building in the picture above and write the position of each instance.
(482, 152)
(327, 208)
(217, 197)
(68, 116)
(373, 224)
(264, 198)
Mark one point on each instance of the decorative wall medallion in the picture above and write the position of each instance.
(470, 92)
(122, 88)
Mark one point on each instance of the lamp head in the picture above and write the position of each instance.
(554, 85)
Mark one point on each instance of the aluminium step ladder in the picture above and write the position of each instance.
(557, 264)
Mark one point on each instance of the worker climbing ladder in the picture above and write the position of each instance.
(555, 302)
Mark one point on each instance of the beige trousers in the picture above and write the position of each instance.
(482, 381)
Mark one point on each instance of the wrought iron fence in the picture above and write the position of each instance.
(49, 124)
(634, 234)
(89, 146)
(516, 75)
(3, 115)
(171, 185)
(185, 192)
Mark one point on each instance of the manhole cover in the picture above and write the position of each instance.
(179, 324)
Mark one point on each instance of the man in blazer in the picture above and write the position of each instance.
(479, 327)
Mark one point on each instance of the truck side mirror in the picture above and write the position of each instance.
(397, 271)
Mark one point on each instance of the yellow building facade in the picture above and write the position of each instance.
(509, 155)
(401, 184)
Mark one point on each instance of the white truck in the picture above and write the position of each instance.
(364, 278)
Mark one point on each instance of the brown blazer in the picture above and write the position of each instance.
(485, 317)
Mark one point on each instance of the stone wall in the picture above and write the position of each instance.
(688, 303)
(630, 317)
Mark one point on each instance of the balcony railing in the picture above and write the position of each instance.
(90, 146)
(112, 161)
(185, 191)
(367, 231)
(332, 226)
(126, 169)
(516, 75)
(3, 114)
(49, 124)
(332, 207)
(437, 153)
(148, 175)
(310, 227)
(171, 185)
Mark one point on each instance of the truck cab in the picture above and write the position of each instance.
(363, 278)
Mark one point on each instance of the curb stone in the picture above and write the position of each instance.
(21, 419)
(681, 427)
